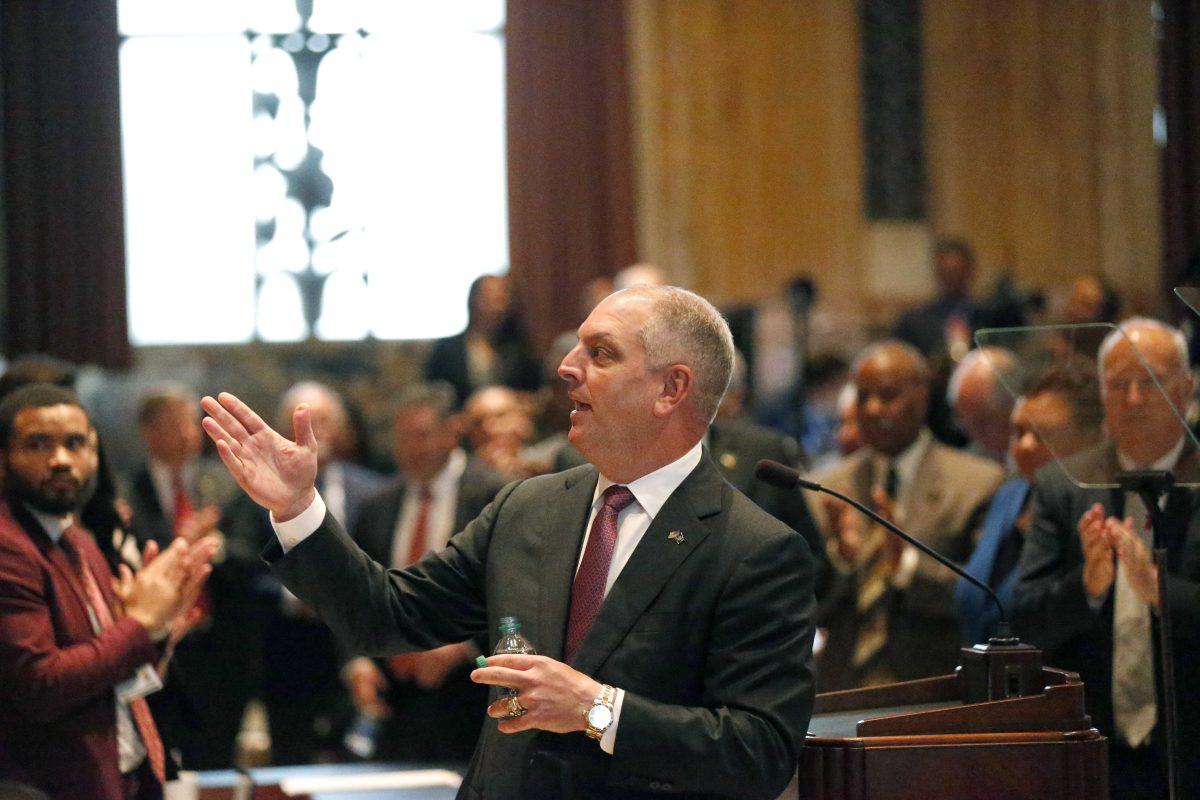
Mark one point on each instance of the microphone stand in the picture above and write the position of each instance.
(1152, 486)
(1002, 668)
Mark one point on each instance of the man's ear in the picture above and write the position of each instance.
(676, 387)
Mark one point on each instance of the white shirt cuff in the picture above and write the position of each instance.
(907, 567)
(301, 526)
(609, 740)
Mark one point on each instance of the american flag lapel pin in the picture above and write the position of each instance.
(676, 537)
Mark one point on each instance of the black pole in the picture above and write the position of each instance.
(1152, 487)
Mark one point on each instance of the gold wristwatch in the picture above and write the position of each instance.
(600, 714)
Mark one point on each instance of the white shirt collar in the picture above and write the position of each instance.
(1167, 462)
(53, 524)
(448, 476)
(651, 491)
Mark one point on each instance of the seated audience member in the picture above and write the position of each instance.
(944, 324)
(498, 427)
(1088, 586)
(301, 682)
(1057, 416)
(176, 493)
(849, 438)
(890, 609)
(554, 417)
(78, 649)
(432, 711)
(1091, 299)
(493, 350)
(980, 395)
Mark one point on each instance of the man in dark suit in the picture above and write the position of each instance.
(1088, 585)
(77, 652)
(432, 711)
(175, 493)
(673, 616)
(301, 682)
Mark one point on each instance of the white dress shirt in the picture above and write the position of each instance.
(443, 510)
(130, 750)
(907, 464)
(650, 492)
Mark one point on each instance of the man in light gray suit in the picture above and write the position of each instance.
(673, 617)
(890, 609)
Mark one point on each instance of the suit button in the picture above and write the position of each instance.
(666, 786)
(655, 785)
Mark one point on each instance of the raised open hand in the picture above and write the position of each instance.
(277, 473)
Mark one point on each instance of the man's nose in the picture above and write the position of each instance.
(567, 369)
(60, 456)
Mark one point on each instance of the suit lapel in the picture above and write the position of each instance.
(561, 538)
(653, 562)
(55, 555)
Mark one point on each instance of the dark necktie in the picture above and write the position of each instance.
(138, 708)
(587, 592)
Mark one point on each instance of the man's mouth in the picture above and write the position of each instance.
(62, 483)
(580, 406)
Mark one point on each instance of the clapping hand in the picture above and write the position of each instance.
(1133, 553)
(277, 473)
(167, 585)
(1099, 571)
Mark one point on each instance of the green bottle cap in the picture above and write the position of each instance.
(480, 661)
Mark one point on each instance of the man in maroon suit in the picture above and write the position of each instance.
(77, 649)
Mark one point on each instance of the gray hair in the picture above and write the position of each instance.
(1005, 375)
(295, 395)
(684, 328)
(1123, 330)
(900, 346)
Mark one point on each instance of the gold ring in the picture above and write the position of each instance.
(514, 706)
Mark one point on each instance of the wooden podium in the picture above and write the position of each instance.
(936, 739)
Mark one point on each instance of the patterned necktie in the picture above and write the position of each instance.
(138, 708)
(873, 584)
(587, 592)
(1134, 706)
(420, 534)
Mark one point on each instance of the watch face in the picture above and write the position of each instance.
(600, 717)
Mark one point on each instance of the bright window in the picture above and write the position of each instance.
(337, 176)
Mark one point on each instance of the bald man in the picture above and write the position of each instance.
(1088, 587)
(890, 613)
(981, 394)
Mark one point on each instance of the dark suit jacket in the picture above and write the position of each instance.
(57, 709)
(737, 446)
(1052, 608)
(517, 369)
(439, 724)
(711, 638)
(375, 527)
(214, 670)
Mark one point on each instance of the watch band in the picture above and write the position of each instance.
(606, 698)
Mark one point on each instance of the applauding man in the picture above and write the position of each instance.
(77, 649)
(673, 617)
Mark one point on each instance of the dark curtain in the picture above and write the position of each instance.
(63, 209)
(1179, 60)
(571, 213)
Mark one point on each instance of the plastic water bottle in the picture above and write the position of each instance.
(511, 641)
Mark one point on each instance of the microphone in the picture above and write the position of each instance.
(784, 477)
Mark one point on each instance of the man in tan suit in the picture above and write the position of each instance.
(890, 613)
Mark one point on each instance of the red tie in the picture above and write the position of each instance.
(139, 708)
(183, 503)
(183, 511)
(587, 593)
(420, 534)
